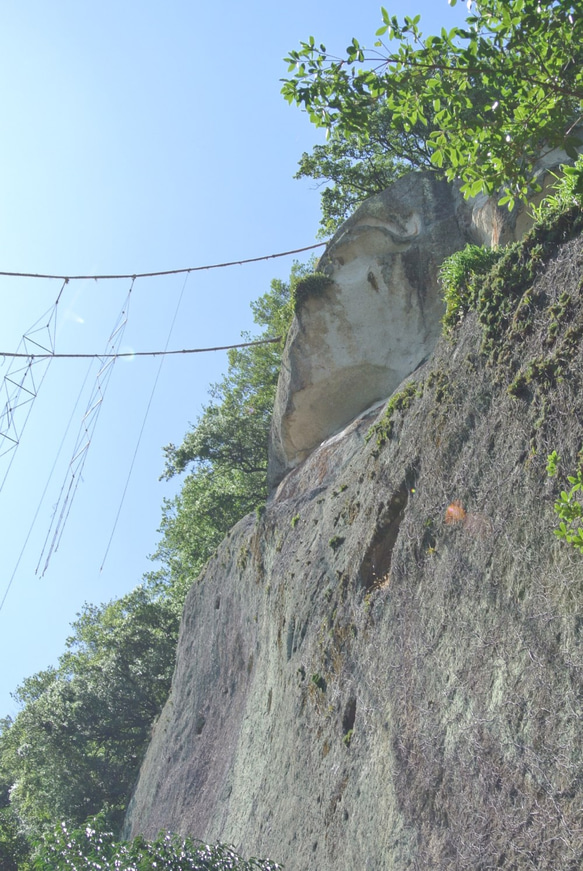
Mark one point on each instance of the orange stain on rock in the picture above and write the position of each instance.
(455, 513)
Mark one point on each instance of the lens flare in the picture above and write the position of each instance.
(129, 351)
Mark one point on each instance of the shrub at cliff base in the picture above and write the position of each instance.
(91, 848)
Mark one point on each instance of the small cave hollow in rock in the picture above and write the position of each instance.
(348, 719)
(375, 569)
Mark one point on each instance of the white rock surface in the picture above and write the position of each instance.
(379, 318)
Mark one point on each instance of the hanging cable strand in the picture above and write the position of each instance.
(141, 353)
(44, 493)
(84, 438)
(135, 275)
(28, 367)
(145, 418)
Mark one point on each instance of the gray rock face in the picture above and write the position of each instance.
(380, 317)
(351, 345)
(385, 671)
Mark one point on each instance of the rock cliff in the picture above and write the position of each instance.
(384, 670)
(379, 314)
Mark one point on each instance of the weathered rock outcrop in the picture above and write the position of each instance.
(351, 344)
(379, 317)
(361, 684)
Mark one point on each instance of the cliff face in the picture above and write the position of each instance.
(385, 669)
(378, 316)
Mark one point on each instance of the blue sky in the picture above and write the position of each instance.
(136, 137)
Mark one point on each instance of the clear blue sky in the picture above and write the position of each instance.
(137, 136)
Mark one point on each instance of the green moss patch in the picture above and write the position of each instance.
(308, 287)
(398, 404)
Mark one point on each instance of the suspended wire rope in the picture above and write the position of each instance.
(165, 271)
(146, 413)
(80, 451)
(164, 353)
(22, 381)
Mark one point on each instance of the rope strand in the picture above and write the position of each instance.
(140, 353)
(163, 272)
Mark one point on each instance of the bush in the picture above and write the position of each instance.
(458, 275)
(92, 848)
(568, 508)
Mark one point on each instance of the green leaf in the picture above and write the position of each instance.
(468, 71)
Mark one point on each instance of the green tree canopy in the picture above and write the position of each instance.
(95, 847)
(75, 747)
(493, 95)
(225, 452)
(359, 166)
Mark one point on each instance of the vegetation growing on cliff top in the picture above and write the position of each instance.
(488, 280)
(479, 103)
(497, 286)
(309, 286)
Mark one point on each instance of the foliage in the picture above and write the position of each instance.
(500, 295)
(312, 284)
(232, 431)
(458, 274)
(359, 166)
(14, 849)
(94, 847)
(568, 192)
(76, 746)
(196, 520)
(225, 452)
(568, 507)
(493, 95)
(398, 403)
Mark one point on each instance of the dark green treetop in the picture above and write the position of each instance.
(493, 95)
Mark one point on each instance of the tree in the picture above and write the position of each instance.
(492, 95)
(359, 167)
(225, 452)
(14, 849)
(75, 747)
(232, 432)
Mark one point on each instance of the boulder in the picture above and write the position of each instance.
(376, 320)
(355, 337)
